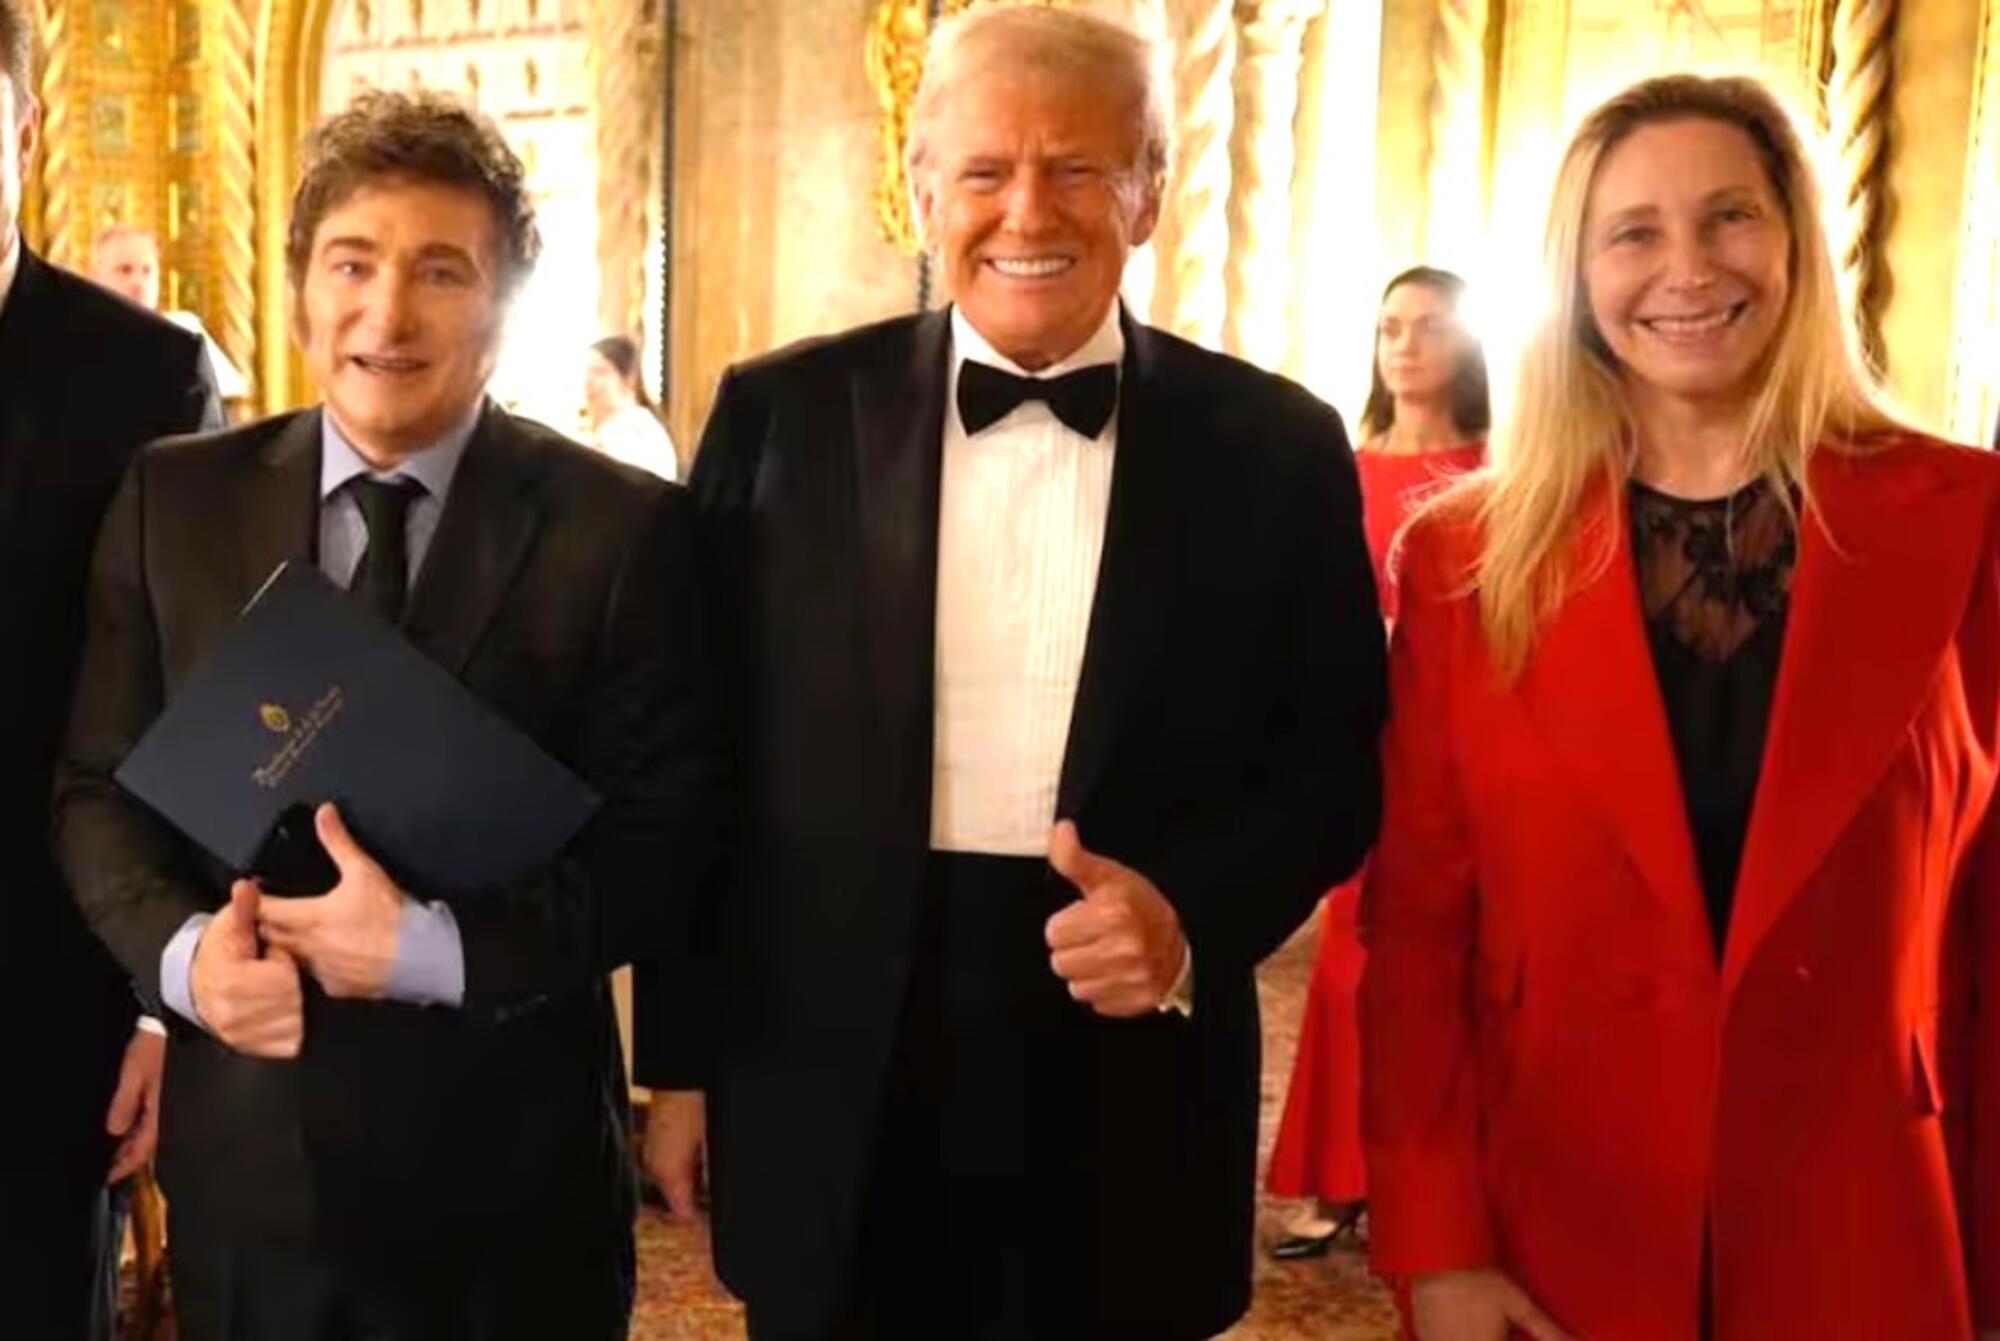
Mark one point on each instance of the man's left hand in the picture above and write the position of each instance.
(134, 1115)
(347, 937)
(1120, 946)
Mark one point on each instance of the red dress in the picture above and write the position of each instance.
(1318, 1151)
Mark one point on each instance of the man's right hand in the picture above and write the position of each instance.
(1481, 1305)
(676, 1147)
(250, 999)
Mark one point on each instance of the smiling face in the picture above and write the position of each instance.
(399, 314)
(1686, 261)
(1030, 201)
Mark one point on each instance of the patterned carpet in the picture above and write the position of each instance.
(1333, 1299)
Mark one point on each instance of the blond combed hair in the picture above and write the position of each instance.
(1075, 47)
(1570, 425)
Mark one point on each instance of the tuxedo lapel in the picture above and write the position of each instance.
(277, 504)
(1144, 533)
(489, 520)
(1592, 693)
(1872, 610)
(898, 426)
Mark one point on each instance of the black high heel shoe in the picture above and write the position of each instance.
(1346, 1229)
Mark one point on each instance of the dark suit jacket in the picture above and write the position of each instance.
(558, 588)
(1223, 743)
(85, 378)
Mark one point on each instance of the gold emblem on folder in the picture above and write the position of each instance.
(274, 717)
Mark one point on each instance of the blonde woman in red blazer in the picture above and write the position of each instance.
(1682, 1011)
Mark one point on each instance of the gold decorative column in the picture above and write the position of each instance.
(1973, 394)
(1190, 297)
(1455, 168)
(290, 39)
(210, 237)
(625, 70)
(1858, 116)
(1270, 48)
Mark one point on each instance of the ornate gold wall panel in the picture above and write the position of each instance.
(106, 127)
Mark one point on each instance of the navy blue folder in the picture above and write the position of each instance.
(310, 698)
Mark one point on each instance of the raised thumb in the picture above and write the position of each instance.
(1070, 858)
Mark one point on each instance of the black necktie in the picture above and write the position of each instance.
(1082, 399)
(382, 578)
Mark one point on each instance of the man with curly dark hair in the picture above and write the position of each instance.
(396, 1113)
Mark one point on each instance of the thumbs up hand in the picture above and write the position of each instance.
(247, 997)
(1119, 946)
(346, 937)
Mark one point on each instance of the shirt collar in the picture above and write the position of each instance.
(10, 266)
(433, 466)
(1106, 345)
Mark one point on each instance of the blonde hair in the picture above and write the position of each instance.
(1080, 50)
(1570, 424)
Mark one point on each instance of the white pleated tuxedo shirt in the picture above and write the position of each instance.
(1021, 516)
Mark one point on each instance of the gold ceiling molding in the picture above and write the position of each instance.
(895, 55)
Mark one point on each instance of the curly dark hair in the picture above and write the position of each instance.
(427, 138)
(17, 50)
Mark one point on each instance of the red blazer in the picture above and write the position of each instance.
(1561, 1080)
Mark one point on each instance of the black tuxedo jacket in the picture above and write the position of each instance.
(85, 379)
(558, 588)
(1222, 742)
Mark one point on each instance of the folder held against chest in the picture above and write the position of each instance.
(310, 698)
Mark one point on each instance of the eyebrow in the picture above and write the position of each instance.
(431, 251)
(1631, 212)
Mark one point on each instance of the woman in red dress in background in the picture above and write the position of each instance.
(1424, 423)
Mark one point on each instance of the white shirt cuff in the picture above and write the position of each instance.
(1180, 997)
(430, 957)
(177, 968)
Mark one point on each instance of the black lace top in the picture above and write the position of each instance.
(1715, 584)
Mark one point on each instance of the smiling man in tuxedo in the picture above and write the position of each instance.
(397, 1113)
(1059, 674)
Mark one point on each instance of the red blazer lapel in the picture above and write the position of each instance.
(1878, 593)
(1593, 696)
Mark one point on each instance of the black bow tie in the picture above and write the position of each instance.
(1082, 399)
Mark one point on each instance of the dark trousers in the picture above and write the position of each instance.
(985, 1210)
(58, 1278)
(264, 1288)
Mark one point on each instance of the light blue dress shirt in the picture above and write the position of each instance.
(430, 957)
